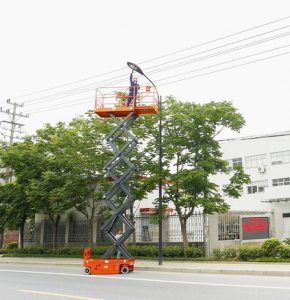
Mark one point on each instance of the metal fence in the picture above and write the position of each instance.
(148, 232)
(32, 233)
(195, 229)
(76, 232)
(48, 233)
(228, 227)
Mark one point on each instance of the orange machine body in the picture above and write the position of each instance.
(107, 266)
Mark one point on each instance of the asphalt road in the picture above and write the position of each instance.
(21, 282)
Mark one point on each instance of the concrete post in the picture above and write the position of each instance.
(66, 232)
(212, 240)
(278, 222)
(41, 234)
(95, 232)
(40, 218)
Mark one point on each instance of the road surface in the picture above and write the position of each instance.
(26, 281)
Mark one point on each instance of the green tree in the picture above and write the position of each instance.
(191, 156)
(48, 191)
(16, 158)
(88, 154)
(3, 217)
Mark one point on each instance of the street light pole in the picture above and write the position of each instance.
(160, 208)
(137, 69)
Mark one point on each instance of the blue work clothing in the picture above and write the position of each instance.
(133, 90)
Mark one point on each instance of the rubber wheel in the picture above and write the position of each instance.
(88, 270)
(124, 270)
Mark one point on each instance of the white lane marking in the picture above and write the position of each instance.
(57, 295)
(126, 277)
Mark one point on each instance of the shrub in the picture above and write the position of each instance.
(284, 251)
(230, 252)
(135, 250)
(218, 253)
(173, 251)
(286, 241)
(97, 251)
(194, 252)
(249, 252)
(67, 251)
(243, 252)
(12, 246)
(3, 251)
(226, 253)
(271, 248)
(35, 250)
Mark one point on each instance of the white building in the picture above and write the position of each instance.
(266, 158)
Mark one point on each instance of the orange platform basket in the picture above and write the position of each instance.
(114, 101)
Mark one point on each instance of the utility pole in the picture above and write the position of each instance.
(13, 115)
(15, 127)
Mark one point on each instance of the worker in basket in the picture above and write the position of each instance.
(133, 90)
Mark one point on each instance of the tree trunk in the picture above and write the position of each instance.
(90, 232)
(1, 238)
(21, 236)
(55, 232)
(184, 234)
(54, 237)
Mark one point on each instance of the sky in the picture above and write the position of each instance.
(196, 51)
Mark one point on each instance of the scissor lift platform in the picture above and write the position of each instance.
(124, 111)
(107, 266)
(113, 101)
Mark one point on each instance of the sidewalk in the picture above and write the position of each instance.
(233, 268)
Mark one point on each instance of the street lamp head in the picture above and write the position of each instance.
(135, 68)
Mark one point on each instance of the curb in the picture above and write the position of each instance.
(220, 271)
(52, 263)
(165, 269)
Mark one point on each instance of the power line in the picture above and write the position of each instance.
(225, 62)
(187, 78)
(59, 105)
(88, 88)
(218, 47)
(156, 58)
(63, 106)
(228, 68)
(226, 51)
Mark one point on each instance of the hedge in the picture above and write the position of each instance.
(136, 251)
(271, 248)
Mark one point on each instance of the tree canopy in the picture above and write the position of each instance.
(192, 155)
(61, 167)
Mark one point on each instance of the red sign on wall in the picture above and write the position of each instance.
(255, 228)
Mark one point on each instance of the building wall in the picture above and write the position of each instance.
(264, 170)
(256, 154)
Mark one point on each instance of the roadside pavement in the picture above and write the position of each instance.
(233, 268)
